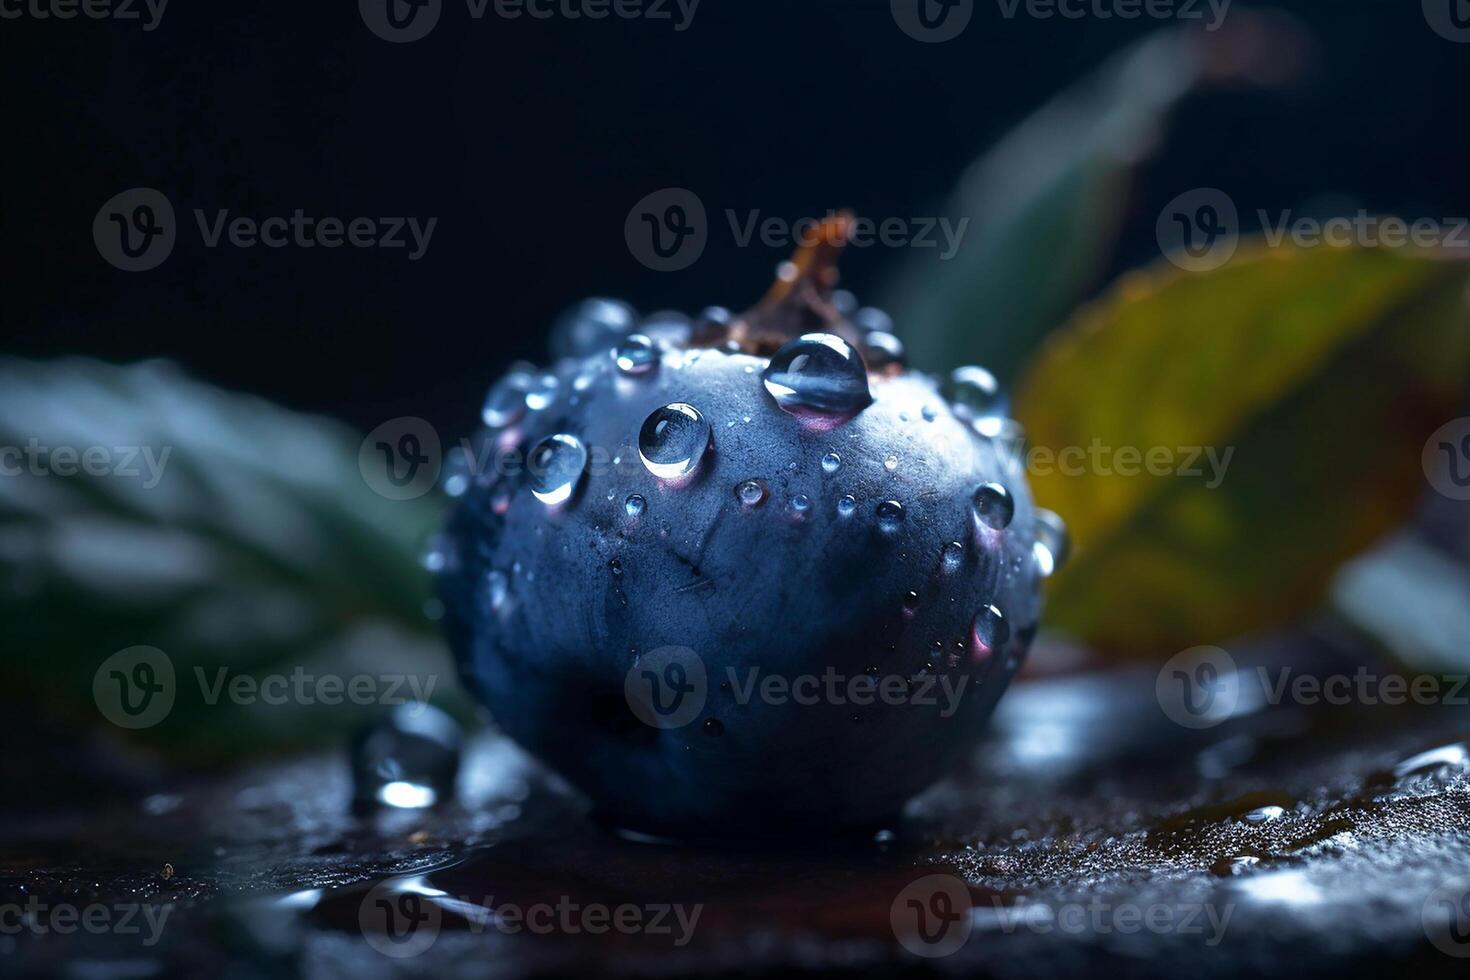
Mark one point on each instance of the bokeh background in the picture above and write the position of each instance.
(531, 140)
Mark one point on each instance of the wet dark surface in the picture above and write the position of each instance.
(1093, 833)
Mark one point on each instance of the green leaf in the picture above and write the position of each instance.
(223, 530)
(1044, 205)
(1320, 371)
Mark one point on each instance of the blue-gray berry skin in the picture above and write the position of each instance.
(551, 607)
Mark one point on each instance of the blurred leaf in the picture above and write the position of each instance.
(1321, 371)
(253, 545)
(1045, 203)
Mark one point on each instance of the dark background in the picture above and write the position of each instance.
(530, 140)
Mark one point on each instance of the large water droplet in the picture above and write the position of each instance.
(890, 515)
(1053, 544)
(883, 350)
(1265, 814)
(556, 465)
(592, 325)
(818, 372)
(800, 504)
(846, 504)
(634, 505)
(1454, 756)
(636, 355)
(991, 629)
(409, 759)
(831, 463)
(673, 441)
(994, 506)
(974, 393)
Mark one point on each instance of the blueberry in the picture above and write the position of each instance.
(745, 645)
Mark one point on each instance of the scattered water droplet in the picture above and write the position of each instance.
(714, 727)
(542, 392)
(1454, 755)
(1265, 814)
(673, 441)
(994, 506)
(1053, 544)
(831, 463)
(882, 350)
(408, 759)
(800, 504)
(437, 554)
(590, 326)
(497, 588)
(890, 515)
(818, 372)
(456, 478)
(751, 493)
(634, 505)
(952, 556)
(910, 602)
(871, 318)
(615, 565)
(930, 412)
(974, 393)
(556, 465)
(636, 355)
(891, 463)
(846, 504)
(991, 630)
(505, 403)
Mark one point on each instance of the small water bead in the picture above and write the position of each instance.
(542, 391)
(636, 355)
(974, 393)
(590, 326)
(952, 556)
(910, 602)
(883, 350)
(437, 554)
(818, 372)
(456, 478)
(800, 504)
(408, 759)
(1053, 544)
(991, 629)
(891, 463)
(505, 403)
(831, 463)
(870, 318)
(930, 412)
(713, 727)
(751, 493)
(634, 505)
(994, 506)
(890, 515)
(673, 441)
(497, 587)
(844, 301)
(1265, 814)
(556, 465)
(846, 504)
(1454, 756)
(615, 565)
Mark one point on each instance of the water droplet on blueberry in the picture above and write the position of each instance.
(818, 372)
(994, 506)
(673, 441)
(636, 355)
(973, 392)
(556, 465)
(890, 515)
